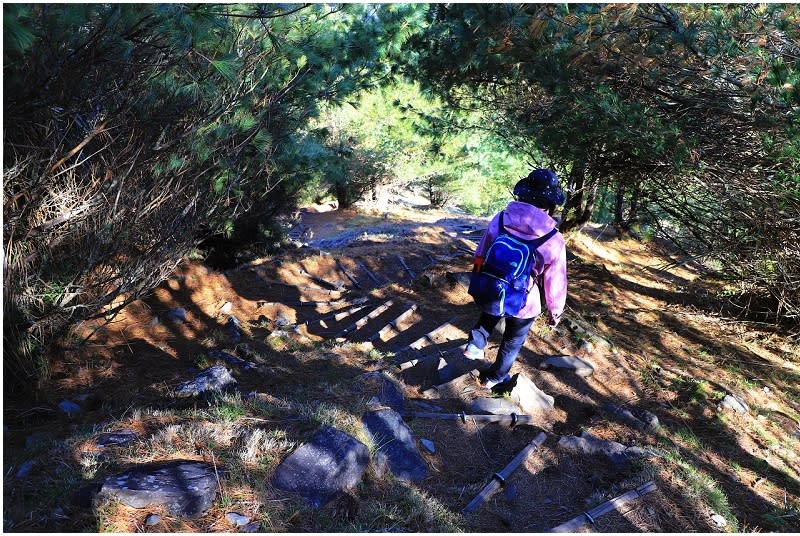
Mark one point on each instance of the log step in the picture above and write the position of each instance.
(393, 324)
(370, 274)
(361, 323)
(406, 268)
(337, 316)
(417, 344)
(350, 276)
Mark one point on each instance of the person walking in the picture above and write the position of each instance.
(525, 225)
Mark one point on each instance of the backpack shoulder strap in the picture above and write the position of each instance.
(544, 238)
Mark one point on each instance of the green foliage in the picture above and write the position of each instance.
(671, 114)
(148, 128)
(420, 139)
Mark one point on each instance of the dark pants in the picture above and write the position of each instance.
(514, 335)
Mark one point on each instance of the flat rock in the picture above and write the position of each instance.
(460, 387)
(123, 437)
(529, 397)
(734, 403)
(330, 462)
(237, 519)
(428, 445)
(396, 445)
(216, 378)
(493, 406)
(392, 394)
(618, 453)
(641, 419)
(579, 366)
(185, 488)
(152, 519)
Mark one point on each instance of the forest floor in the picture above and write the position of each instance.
(651, 329)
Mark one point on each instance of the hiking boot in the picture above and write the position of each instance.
(487, 383)
(473, 352)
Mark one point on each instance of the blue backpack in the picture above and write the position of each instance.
(500, 288)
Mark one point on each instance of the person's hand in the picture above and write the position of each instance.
(553, 321)
(476, 265)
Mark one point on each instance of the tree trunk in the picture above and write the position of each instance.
(575, 197)
(619, 206)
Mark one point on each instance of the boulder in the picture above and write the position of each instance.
(529, 397)
(734, 403)
(216, 378)
(493, 406)
(329, 463)
(185, 488)
(396, 446)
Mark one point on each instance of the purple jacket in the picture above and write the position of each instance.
(528, 222)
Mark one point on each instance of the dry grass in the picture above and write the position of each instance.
(672, 360)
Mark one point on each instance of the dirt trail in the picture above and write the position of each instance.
(381, 281)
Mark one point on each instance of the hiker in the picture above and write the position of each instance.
(523, 237)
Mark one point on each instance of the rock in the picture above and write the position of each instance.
(587, 347)
(642, 419)
(234, 330)
(251, 527)
(185, 488)
(529, 397)
(69, 407)
(123, 437)
(226, 308)
(396, 445)
(428, 445)
(232, 359)
(176, 315)
(719, 520)
(734, 403)
(25, 469)
(237, 519)
(493, 406)
(579, 366)
(618, 453)
(152, 519)
(216, 378)
(392, 394)
(329, 463)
